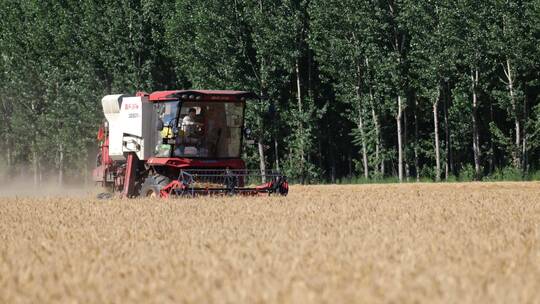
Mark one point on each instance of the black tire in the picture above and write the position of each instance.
(153, 184)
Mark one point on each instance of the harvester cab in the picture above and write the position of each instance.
(177, 143)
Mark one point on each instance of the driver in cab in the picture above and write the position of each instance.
(189, 125)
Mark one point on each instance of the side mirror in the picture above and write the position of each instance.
(159, 125)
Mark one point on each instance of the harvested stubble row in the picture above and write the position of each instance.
(376, 243)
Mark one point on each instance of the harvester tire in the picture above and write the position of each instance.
(153, 184)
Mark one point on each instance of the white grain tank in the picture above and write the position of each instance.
(132, 125)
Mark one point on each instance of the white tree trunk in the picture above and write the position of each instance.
(404, 144)
(399, 138)
(300, 110)
(61, 165)
(364, 146)
(298, 86)
(448, 163)
(276, 154)
(35, 166)
(85, 170)
(476, 135)
(40, 171)
(262, 164)
(517, 127)
(379, 160)
(436, 132)
(524, 164)
(8, 155)
(416, 136)
(361, 123)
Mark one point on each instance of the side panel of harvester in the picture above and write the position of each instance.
(131, 132)
(132, 122)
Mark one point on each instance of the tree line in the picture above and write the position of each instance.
(439, 90)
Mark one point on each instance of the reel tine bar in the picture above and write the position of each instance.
(229, 182)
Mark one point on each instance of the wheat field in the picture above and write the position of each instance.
(452, 243)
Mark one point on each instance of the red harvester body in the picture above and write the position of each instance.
(178, 143)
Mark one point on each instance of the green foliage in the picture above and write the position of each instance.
(535, 176)
(467, 173)
(506, 174)
(362, 180)
(332, 70)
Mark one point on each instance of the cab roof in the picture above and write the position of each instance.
(203, 95)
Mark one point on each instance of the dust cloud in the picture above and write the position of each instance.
(26, 188)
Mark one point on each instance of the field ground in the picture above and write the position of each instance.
(456, 243)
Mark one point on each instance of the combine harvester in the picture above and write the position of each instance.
(178, 143)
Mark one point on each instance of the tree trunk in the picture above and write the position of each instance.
(436, 133)
(524, 157)
(378, 157)
(40, 171)
(474, 119)
(262, 164)
(85, 169)
(9, 156)
(491, 159)
(276, 154)
(364, 146)
(298, 86)
(517, 127)
(400, 155)
(7, 111)
(416, 160)
(320, 149)
(35, 160)
(61, 165)
(449, 162)
(35, 166)
(361, 124)
(300, 111)
(378, 160)
(404, 147)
